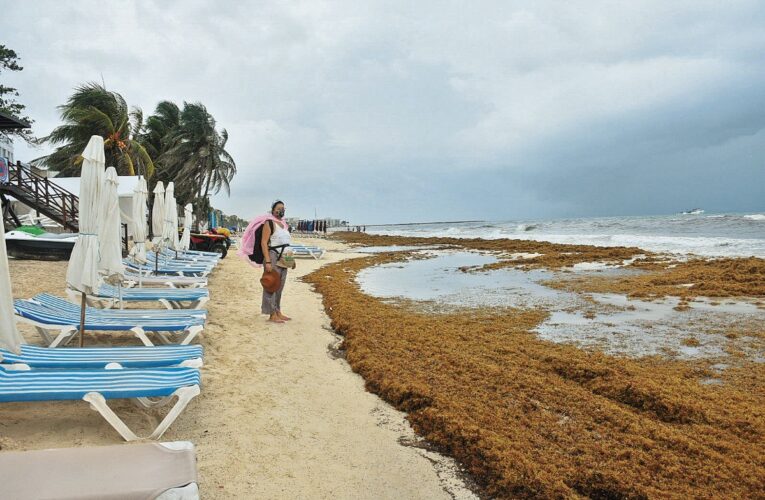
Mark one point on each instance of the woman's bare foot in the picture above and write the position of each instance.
(274, 318)
(283, 317)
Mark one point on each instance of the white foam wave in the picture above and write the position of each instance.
(755, 217)
(697, 245)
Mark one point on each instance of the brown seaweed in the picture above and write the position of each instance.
(529, 418)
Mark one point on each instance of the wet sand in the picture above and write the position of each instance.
(279, 416)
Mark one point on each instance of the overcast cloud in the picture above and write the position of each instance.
(411, 111)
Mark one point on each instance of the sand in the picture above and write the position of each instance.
(279, 416)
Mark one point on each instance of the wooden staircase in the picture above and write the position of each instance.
(40, 194)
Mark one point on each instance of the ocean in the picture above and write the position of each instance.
(711, 235)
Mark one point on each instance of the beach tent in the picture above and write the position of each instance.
(158, 212)
(109, 238)
(186, 238)
(138, 252)
(82, 272)
(10, 338)
(127, 184)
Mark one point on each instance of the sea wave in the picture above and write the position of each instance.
(707, 246)
(755, 217)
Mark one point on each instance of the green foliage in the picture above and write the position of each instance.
(9, 61)
(180, 145)
(93, 110)
(189, 152)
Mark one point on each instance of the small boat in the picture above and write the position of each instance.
(45, 246)
(693, 211)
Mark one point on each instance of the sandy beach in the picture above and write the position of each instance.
(284, 410)
(279, 416)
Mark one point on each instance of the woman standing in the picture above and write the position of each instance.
(276, 238)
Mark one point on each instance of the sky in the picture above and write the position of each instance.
(399, 111)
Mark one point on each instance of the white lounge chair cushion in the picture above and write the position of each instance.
(126, 471)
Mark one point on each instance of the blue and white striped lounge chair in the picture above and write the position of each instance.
(194, 253)
(36, 357)
(185, 255)
(53, 314)
(133, 278)
(307, 251)
(187, 269)
(170, 261)
(163, 269)
(96, 386)
(171, 298)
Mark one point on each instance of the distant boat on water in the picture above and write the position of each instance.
(693, 211)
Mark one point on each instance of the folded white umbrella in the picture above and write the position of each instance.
(186, 238)
(170, 234)
(82, 273)
(110, 240)
(158, 212)
(138, 252)
(10, 338)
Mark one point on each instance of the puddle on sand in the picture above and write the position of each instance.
(643, 328)
(440, 279)
(609, 322)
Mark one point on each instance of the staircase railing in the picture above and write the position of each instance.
(41, 194)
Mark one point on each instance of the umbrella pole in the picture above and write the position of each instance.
(82, 318)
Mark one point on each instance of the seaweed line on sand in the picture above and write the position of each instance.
(529, 418)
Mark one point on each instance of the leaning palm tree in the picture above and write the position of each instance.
(93, 110)
(166, 118)
(153, 137)
(196, 158)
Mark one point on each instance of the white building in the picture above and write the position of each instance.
(6, 149)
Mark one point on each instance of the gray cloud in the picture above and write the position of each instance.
(385, 111)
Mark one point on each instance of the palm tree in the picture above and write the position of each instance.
(195, 157)
(93, 110)
(166, 118)
(153, 137)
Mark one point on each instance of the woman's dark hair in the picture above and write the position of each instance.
(273, 205)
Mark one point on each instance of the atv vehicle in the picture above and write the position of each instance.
(209, 242)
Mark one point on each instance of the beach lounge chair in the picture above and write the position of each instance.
(97, 386)
(171, 298)
(307, 251)
(36, 357)
(141, 470)
(133, 278)
(186, 256)
(164, 269)
(181, 263)
(48, 313)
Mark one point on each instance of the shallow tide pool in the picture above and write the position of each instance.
(609, 322)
